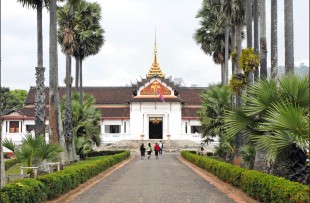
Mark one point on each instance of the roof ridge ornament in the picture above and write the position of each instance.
(155, 68)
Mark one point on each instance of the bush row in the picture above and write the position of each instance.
(55, 184)
(9, 163)
(260, 186)
(103, 153)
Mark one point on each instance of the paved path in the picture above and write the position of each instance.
(163, 180)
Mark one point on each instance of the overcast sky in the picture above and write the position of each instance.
(129, 43)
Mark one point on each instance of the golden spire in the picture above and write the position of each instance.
(155, 68)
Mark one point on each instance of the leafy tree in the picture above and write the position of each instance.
(17, 98)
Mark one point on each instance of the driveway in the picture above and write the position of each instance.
(161, 180)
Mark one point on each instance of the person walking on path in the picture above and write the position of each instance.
(156, 149)
(161, 146)
(149, 150)
(142, 150)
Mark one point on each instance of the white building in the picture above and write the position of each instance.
(154, 108)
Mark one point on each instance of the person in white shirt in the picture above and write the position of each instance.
(161, 146)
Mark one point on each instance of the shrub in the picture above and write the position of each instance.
(55, 184)
(260, 186)
(9, 163)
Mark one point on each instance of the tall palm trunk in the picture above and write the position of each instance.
(239, 138)
(256, 46)
(226, 54)
(233, 47)
(56, 128)
(40, 94)
(77, 72)
(289, 37)
(68, 127)
(81, 81)
(274, 39)
(238, 46)
(248, 16)
(223, 73)
(262, 40)
(2, 168)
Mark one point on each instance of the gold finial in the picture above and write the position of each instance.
(155, 68)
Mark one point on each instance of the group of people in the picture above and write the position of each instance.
(158, 148)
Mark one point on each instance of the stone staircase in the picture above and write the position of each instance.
(169, 145)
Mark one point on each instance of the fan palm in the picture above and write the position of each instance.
(211, 35)
(279, 112)
(88, 35)
(216, 100)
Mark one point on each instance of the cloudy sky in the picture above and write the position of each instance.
(128, 50)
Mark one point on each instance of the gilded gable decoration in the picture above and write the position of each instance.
(154, 88)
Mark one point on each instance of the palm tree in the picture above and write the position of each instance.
(56, 127)
(263, 42)
(289, 37)
(33, 151)
(86, 123)
(274, 39)
(66, 40)
(211, 36)
(279, 111)
(40, 95)
(256, 47)
(88, 36)
(248, 16)
(215, 101)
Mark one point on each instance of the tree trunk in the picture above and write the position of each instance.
(233, 48)
(256, 46)
(248, 16)
(239, 47)
(68, 127)
(2, 168)
(222, 74)
(289, 37)
(40, 94)
(263, 42)
(274, 39)
(226, 55)
(56, 130)
(260, 162)
(77, 73)
(81, 81)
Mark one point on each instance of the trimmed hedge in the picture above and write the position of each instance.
(9, 163)
(103, 153)
(260, 186)
(55, 184)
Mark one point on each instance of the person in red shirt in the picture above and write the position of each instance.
(156, 149)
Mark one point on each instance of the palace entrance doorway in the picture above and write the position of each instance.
(156, 128)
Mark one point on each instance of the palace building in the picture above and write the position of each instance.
(153, 108)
